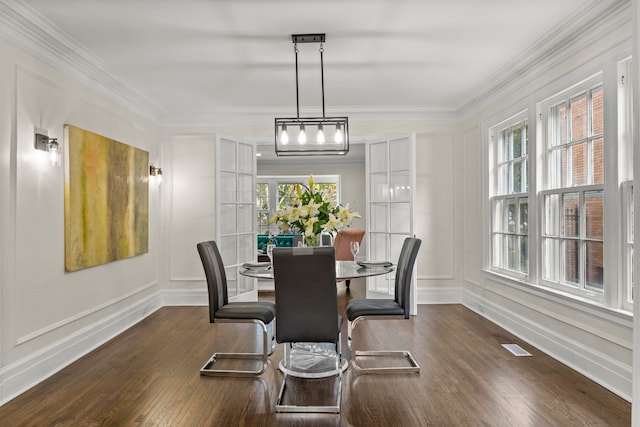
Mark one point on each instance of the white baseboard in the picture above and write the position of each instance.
(35, 368)
(439, 295)
(599, 367)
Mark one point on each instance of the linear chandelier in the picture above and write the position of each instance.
(311, 136)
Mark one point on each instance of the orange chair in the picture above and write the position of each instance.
(341, 244)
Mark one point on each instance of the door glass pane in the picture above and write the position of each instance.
(594, 213)
(400, 186)
(245, 284)
(245, 158)
(228, 250)
(400, 221)
(227, 187)
(378, 248)
(245, 218)
(228, 153)
(245, 189)
(245, 248)
(399, 155)
(228, 220)
(378, 157)
(378, 220)
(232, 281)
(379, 187)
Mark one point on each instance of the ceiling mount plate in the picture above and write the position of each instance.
(308, 38)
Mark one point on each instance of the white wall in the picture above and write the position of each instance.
(595, 341)
(49, 317)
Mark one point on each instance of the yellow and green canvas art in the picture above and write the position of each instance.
(106, 200)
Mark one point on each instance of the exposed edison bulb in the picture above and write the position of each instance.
(302, 136)
(338, 136)
(284, 136)
(54, 153)
(320, 136)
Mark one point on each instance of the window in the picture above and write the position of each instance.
(573, 204)
(283, 187)
(262, 207)
(560, 190)
(510, 203)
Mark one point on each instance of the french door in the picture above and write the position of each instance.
(235, 213)
(390, 183)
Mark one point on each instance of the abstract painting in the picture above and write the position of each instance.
(106, 200)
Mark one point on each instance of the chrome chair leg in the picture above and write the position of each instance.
(268, 347)
(358, 355)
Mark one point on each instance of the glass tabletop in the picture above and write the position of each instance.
(344, 270)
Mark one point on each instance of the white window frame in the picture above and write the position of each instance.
(618, 168)
(500, 196)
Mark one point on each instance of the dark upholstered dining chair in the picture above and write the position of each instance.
(260, 313)
(397, 308)
(341, 243)
(307, 312)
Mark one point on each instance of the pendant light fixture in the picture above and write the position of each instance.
(312, 136)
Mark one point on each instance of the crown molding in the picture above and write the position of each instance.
(585, 27)
(264, 116)
(23, 26)
(27, 29)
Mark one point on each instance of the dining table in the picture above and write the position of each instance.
(344, 269)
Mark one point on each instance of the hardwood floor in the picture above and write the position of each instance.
(149, 376)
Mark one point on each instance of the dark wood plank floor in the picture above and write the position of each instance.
(149, 376)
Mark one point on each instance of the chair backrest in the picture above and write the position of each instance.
(342, 240)
(306, 297)
(216, 277)
(404, 270)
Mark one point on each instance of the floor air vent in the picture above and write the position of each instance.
(516, 350)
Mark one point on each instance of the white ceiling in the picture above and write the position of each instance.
(204, 59)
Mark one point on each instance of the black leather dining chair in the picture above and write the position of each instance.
(307, 312)
(381, 309)
(260, 313)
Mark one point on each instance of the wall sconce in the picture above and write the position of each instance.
(50, 145)
(157, 172)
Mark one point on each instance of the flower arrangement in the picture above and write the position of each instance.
(312, 212)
